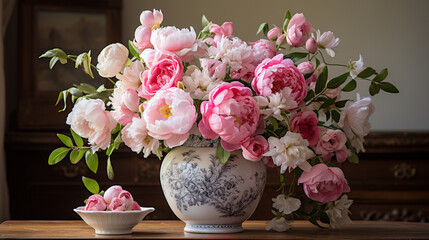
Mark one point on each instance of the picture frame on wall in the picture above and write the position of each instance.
(74, 26)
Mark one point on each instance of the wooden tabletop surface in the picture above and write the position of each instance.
(252, 230)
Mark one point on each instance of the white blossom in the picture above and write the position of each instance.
(286, 204)
(234, 52)
(328, 41)
(339, 213)
(355, 67)
(290, 151)
(275, 104)
(198, 83)
(278, 224)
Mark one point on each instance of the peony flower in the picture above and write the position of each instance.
(230, 113)
(214, 68)
(199, 83)
(165, 73)
(125, 103)
(339, 213)
(234, 52)
(142, 37)
(324, 184)
(327, 41)
(355, 67)
(355, 121)
(246, 73)
(286, 204)
(169, 116)
(255, 148)
(226, 30)
(130, 78)
(111, 60)
(135, 136)
(95, 203)
(305, 123)
(111, 193)
(298, 30)
(263, 49)
(135, 206)
(290, 151)
(89, 119)
(151, 19)
(126, 198)
(117, 204)
(332, 141)
(273, 75)
(278, 224)
(276, 104)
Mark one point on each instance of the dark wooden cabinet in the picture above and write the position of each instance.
(391, 182)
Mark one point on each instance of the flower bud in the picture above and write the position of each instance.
(311, 45)
(274, 33)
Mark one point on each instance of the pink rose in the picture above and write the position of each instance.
(230, 113)
(131, 75)
(263, 49)
(274, 33)
(95, 203)
(117, 204)
(305, 123)
(273, 75)
(135, 206)
(226, 30)
(255, 148)
(151, 19)
(111, 193)
(298, 30)
(164, 74)
(332, 141)
(142, 38)
(169, 116)
(323, 183)
(90, 120)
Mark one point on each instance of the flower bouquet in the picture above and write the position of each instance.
(273, 99)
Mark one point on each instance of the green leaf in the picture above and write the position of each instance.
(335, 115)
(75, 92)
(381, 76)
(86, 88)
(310, 95)
(110, 149)
(336, 82)
(317, 63)
(374, 89)
(353, 158)
(222, 154)
(133, 49)
(328, 115)
(57, 155)
(79, 59)
(92, 161)
(274, 123)
(87, 64)
(110, 173)
(321, 80)
(56, 52)
(53, 61)
(324, 218)
(367, 72)
(91, 185)
(328, 102)
(341, 104)
(204, 21)
(77, 154)
(296, 56)
(263, 27)
(65, 139)
(286, 19)
(388, 87)
(60, 97)
(77, 139)
(350, 86)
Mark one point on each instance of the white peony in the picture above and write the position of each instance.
(286, 204)
(328, 41)
(339, 213)
(112, 59)
(290, 151)
(275, 104)
(278, 224)
(198, 83)
(234, 52)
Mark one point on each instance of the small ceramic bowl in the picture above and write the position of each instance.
(113, 222)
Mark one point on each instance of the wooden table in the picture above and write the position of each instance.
(252, 230)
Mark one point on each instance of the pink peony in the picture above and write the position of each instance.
(111, 193)
(169, 116)
(263, 49)
(90, 119)
(111, 60)
(230, 113)
(306, 68)
(305, 123)
(164, 74)
(255, 148)
(136, 136)
(142, 38)
(332, 141)
(117, 204)
(125, 103)
(246, 73)
(298, 30)
(273, 75)
(323, 183)
(131, 75)
(215, 68)
(227, 29)
(135, 206)
(95, 203)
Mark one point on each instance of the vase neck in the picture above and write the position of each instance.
(199, 141)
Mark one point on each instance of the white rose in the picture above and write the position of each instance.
(112, 59)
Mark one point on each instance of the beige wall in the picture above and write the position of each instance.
(388, 33)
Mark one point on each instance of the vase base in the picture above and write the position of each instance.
(213, 228)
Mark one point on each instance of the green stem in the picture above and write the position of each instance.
(330, 64)
(292, 185)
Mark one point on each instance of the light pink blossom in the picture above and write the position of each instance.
(111, 193)
(263, 49)
(306, 68)
(298, 30)
(111, 60)
(274, 33)
(151, 19)
(233, 52)
(90, 120)
(227, 29)
(169, 116)
(95, 203)
(327, 41)
(142, 37)
(136, 136)
(131, 75)
(230, 113)
(255, 148)
(135, 206)
(323, 183)
(125, 104)
(332, 141)
(117, 204)
(311, 45)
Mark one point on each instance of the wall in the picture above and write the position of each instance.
(387, 33)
